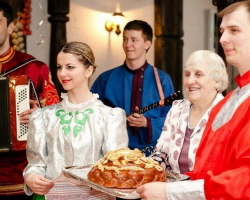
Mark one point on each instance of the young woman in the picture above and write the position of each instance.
(75, 132)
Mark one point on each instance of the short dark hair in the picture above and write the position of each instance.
(7, 11)
(140, 25)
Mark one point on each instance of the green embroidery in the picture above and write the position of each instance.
(80, 118)
(66, 130)
(76, 130)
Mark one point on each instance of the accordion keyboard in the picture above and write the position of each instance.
(22, 104)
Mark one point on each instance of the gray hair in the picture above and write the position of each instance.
(215, 65)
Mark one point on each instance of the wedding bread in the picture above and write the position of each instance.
(125, 168)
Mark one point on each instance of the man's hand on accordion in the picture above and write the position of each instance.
(24, 116)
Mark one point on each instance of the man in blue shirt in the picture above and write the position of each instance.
(133, 85)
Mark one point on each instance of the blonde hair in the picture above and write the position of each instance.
(214, 63)
(83, 52)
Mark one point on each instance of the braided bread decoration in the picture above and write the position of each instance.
(125, 168)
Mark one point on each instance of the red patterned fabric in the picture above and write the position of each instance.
(223, 157)
(13, 163)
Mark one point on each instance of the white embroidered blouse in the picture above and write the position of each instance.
(65, 134)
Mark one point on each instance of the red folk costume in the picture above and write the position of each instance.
(223, 158)
(13, 163)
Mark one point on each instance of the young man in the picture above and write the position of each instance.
(222, 165)
(12, 163)
(133, 85)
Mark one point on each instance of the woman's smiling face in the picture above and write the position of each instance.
(198, 83)
(71, 73)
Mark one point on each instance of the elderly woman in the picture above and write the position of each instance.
(204, 78)
(75, 132)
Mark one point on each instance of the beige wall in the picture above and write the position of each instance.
(87, 25)
(195, 25)
(87, 18)
(39, 32)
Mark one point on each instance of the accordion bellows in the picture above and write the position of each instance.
(14, 100)
(125, 168)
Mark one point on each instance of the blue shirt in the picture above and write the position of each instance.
(115, 87)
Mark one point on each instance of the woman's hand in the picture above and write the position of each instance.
(38, 184)
(153, 190)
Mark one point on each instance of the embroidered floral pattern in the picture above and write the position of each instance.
(79, 119)
(50, 94)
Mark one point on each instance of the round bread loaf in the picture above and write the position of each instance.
(125, 168)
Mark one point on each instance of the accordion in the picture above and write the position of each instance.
(15, 95)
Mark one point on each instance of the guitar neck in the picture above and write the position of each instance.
(167, 101)
(147, 108)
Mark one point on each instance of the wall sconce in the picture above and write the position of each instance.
(116, 21)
